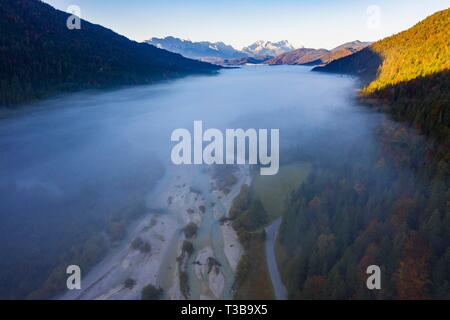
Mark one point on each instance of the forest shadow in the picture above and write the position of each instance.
(422, 102)
(364, 64)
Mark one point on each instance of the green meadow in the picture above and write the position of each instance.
(273, 190)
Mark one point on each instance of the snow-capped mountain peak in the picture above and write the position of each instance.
(262, 47)
(203, 50)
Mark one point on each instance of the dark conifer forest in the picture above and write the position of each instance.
(342, 219)
(40, 56)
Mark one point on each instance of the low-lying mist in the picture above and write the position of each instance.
(74, 166)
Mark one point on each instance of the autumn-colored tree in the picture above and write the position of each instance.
(369, 257)
(402, 208)
(412, 276)
(314, 288)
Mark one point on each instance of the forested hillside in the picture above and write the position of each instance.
(307, 56)
(408, 74)
(391, 210)
(40, 56)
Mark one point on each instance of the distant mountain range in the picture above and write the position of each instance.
(267, 48)
(220, 53)
(273, 53)
(40, 56)
(205, 51)
(309, 56)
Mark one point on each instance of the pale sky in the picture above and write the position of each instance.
(309, 23)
